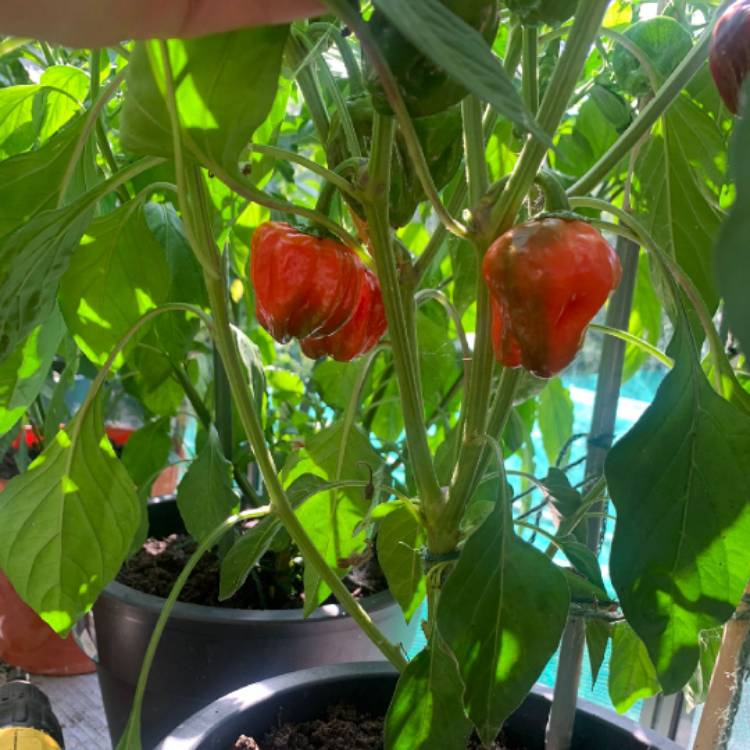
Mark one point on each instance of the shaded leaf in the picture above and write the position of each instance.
(211, 78)
(680, 481)
(732, 267)
(597, 638)
(501, 613)
(555, 418)
(22, 375)
(74, 514)
(399, 545)
(205, 497)
(427, 711)
(147, 452)
(672, 193)
(632, 676)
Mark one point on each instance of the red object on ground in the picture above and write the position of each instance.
(26, 641)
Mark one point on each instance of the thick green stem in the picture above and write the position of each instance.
(227, 347)
(551, 111)
(530, 68)
(477, 398)
(305, 78)
(403, 341)
(194, 206)
(351, 16)
(502, 214)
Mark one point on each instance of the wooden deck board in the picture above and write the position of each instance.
(77, 703)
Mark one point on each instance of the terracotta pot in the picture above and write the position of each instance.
(26, 641)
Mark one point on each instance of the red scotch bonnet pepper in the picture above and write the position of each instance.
(316, 290)
(548, 278)
(730, 52)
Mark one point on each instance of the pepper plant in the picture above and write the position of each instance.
(448, 172)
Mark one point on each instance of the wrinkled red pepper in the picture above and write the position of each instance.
(304, 285)
(548, 278)
(360, 334)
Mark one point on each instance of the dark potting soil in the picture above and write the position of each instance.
(345, 728)
(275, 583)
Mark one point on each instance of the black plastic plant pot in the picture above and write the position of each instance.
(206, 652)
(305, 695)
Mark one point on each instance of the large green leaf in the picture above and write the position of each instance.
(664, 42)
(675, 172)
(17, 126)
(22, 375)
(34, 258)
(217, 110)
(732, 266)
(680, 480)
(64, 89)
(502, 612)
(66, 525)
(30, 182)
(399, 545)
(426, 711)
(205, 497)
(462, 52)
(632, 676)
(118, 273)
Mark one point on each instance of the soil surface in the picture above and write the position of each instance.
(275, 583)
(345, 728)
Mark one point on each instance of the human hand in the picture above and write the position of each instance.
(96, 23)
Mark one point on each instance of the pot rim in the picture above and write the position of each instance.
(184, 611)
(198, 728)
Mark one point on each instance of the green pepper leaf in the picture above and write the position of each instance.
(22, 375)
(426, 711)
(680, 480)
(399, 546)
(217, 111)
(632, 676)
(463, 53)
(74, 514)
(205, 497)
(502, 612)
(117, 274)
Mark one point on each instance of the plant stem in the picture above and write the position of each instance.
(352, 18)
(92, 117)
(305, 78)
(530, 72)
(148, 659)
(403, 341)
(283, 154)
(194, 206)
(715, 728)
(555, 102)
(502, 214)
(663, 98)
(227, 347)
